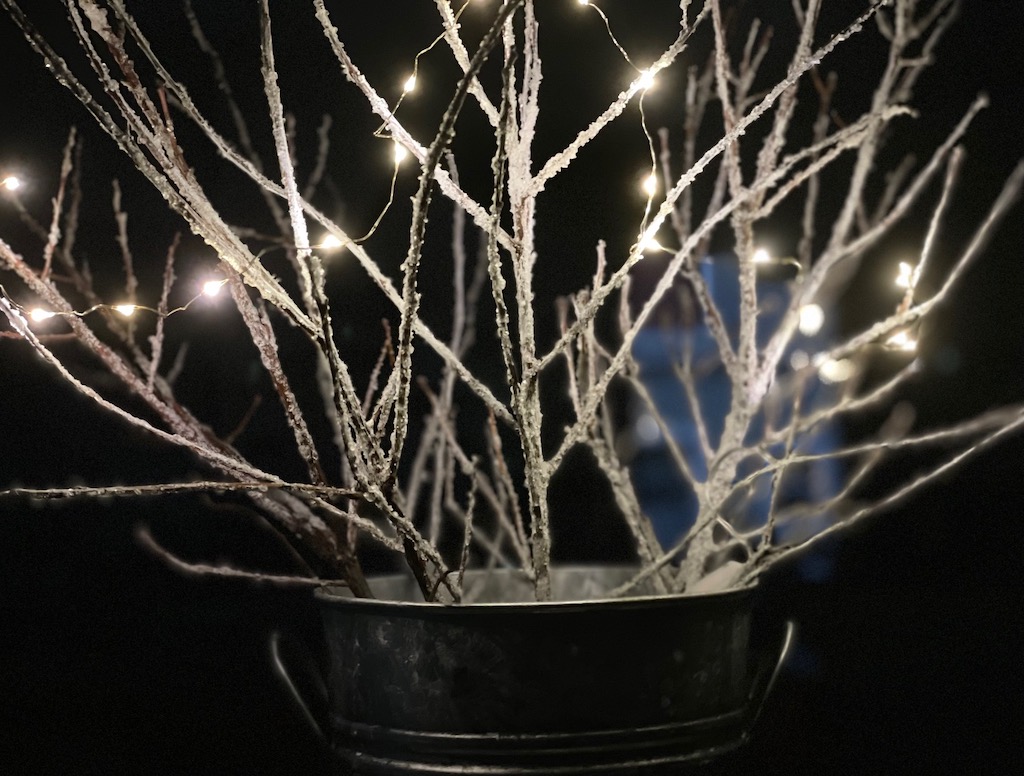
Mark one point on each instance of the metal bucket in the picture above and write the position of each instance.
(569, 687)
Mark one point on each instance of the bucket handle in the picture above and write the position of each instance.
(313, 685)
(759, 694)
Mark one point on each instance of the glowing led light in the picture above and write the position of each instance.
(812, 317)
(650, 185)
(648, 240)
(583, 2)
(11, 183)
(902, 340)
(905, 278)
(39, 314)
(647, 430)
(761, 256)
(329, 243)
(400, 153)
(213, 287)
(798, 360)
(646, 80)
(650, 245)
(127, 310)
(834, 370)
(410, 83)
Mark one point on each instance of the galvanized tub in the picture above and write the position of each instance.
(584, 684)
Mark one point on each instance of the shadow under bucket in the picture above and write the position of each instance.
(585, 684)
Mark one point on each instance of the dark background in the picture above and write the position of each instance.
(111, 663)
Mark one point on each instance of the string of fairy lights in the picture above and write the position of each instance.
(811, 317)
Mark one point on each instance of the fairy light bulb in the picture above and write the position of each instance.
(212, 287)
(761, 256)
(647, 430)
(400, 153)
(799, 360)
(646, 79)
(38, 314)
(410, 84)
(583, 2)
(329, 243)
(905, 278)
(650, 185)
(648, 240)
(127, 310)
(836, 370)
(902, 340)
(812, 318)
(650, 245)
(11, 183)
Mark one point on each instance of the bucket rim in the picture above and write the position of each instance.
(336, 594)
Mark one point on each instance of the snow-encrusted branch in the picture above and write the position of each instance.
(740, 164)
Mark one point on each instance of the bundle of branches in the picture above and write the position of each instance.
(759, 139)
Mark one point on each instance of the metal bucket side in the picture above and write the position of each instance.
(538, 688)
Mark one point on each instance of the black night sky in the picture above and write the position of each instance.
(112, 663)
